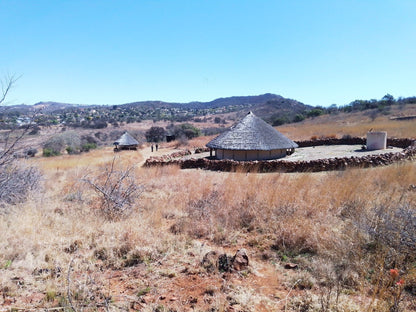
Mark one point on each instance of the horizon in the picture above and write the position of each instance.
(111, 53)
(190, 102)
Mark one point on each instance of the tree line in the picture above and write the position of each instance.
(381, 106)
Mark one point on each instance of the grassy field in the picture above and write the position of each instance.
(354, 124)
(334, 241)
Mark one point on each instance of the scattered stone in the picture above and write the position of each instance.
(145, 299)
(200, 150)
(267, 255)
(236, 308)
(212, 261)
(224, 263)
(135, 306)
(291, 266)
(209, 262)
(240, 260)
(279, 165)
(73, 247)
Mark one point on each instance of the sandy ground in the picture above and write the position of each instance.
(324, 152)
(332, 151)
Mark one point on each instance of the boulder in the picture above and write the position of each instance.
(240, 260)
(210, 261)
(224, 263)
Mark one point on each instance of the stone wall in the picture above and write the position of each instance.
(402, 143)
(296, 166)
(170, 157)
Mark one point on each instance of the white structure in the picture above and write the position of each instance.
(376, 140)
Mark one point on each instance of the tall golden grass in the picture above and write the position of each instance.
(318, 220)
(356, 124)
(286, 214)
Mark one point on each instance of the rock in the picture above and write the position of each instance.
(235, 308)
(209, 261)
(224, 263)
(291, 266)
(240, 260)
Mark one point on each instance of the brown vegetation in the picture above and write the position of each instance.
(328, 241)
(352, 124)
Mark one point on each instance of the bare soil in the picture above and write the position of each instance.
(321, 152)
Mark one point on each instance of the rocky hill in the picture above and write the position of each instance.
(267, 106)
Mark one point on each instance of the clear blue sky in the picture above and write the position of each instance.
(113, 52)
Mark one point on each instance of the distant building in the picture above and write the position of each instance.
(170, 138)
(126, 142)
(251, 139)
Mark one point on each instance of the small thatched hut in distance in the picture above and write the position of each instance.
(251, 139)
(126, 142)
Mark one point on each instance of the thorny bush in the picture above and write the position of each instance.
(116, 190)
(16, 181)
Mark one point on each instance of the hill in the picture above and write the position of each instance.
(267, 106)
(311, 239)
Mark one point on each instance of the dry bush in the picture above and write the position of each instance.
(68, 140)
(354, 124)
(284, 215)
(116, 190)
(16, 182)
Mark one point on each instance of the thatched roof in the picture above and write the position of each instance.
(126, 139)
(251, 133)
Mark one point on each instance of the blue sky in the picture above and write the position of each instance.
(114, 52)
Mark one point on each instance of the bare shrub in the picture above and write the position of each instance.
(390, 228)
(116, 190)
(211, 215)
(386, 233)
(69, 140)
(16, 182)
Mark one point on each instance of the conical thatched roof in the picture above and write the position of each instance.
(126, 139)
(251, 133)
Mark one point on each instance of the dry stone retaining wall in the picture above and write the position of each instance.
(339, 163)
(402, 143)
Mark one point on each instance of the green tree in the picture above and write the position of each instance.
(315, 112)
(186, 130)
(299, 118)
(155, 134)
(388, 98)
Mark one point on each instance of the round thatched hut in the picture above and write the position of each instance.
(251, 139)
(126, 142)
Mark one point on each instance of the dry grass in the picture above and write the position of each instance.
(150, 260)
(287, 215)
(355, 124)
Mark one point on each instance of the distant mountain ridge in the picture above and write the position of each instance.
(270, 107)
(219, 102)
(250, 100)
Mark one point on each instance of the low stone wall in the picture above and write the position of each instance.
(277, 165)
(170, 157)
(401, 143)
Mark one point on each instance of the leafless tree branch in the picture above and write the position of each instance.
(6, 85)
(116, 189)
(16, 180)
